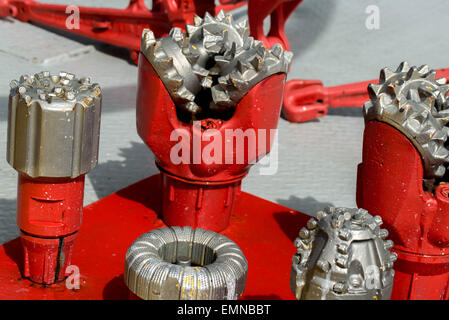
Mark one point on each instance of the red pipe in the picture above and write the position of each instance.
(309, 99)
(49, 214)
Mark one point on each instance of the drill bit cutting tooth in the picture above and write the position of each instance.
(148, 40)
(177, 35)
(246, 68)
(197, 20)
(415, 103)
(215, 54)
(175, 71)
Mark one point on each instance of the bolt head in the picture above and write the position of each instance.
(355, 280)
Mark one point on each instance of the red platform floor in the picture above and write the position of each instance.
(264, 231)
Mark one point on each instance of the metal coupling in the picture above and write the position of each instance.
(214, 64)
(185, 264)
(343, 255)
(411, 100)
(54, 125)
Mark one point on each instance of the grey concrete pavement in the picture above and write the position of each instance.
(317, 160)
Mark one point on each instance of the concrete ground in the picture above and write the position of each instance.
(317, 159)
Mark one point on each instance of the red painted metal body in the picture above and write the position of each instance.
(123, 27)
(209, 196)
(304, 99)
(264, 231)
(119, 27)
(278, 11)
(390, 184)
(49, 214)
(199, 193)
(309, 99)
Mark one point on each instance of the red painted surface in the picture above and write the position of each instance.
(264, 231)
(49, 213)
(197, 193)
(305, 99)
(278, 11)
(123, 27)
(390, 184)
(309, 99)
(204, 205)
(49, 207)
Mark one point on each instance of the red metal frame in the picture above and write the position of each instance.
(278, 11)
(264, 231)
(119, 27)
(308, 99)
(304, 99)
(123, 27)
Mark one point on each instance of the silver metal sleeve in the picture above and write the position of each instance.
(53, 125)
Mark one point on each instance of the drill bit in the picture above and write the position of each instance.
(414, 102)
(214, 64)
(343, 255)
(185, 264)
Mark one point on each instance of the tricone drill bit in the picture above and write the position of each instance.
(215, 73)
(216, 58)
(414, 102)
(403, 176)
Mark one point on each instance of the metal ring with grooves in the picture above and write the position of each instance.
(185, 264)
